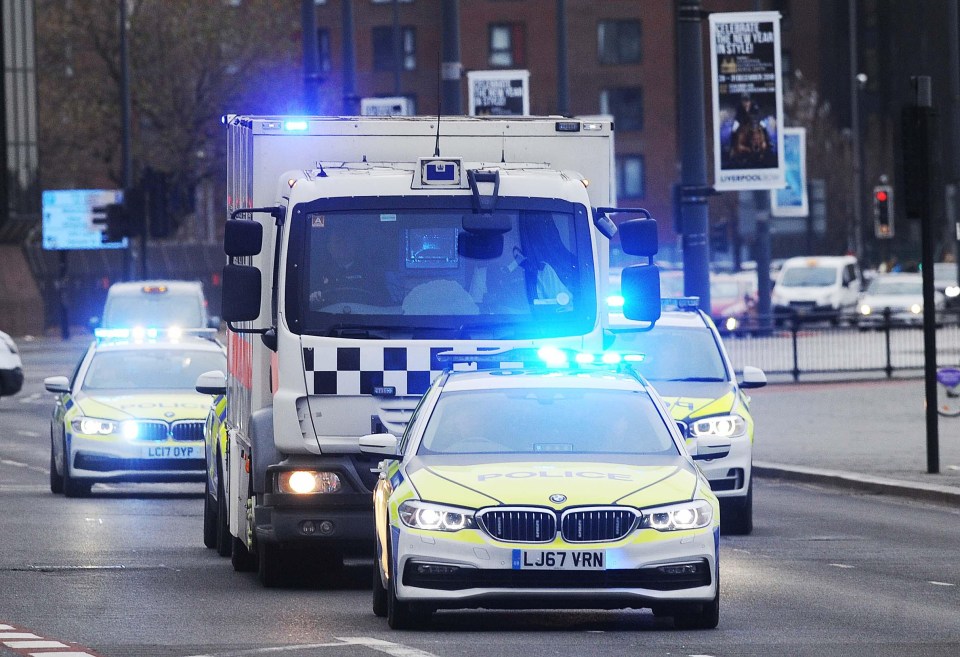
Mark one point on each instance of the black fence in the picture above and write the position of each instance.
(816, 350)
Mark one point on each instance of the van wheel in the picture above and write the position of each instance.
(209, 517)
(271, 565)
(225, 546)
(240, 557)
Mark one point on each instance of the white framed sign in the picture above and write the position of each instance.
(747, 100)
(499, 93)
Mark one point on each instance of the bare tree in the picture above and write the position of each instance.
(190, 63)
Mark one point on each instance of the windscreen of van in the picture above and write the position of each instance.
(154, 310)
(809, 276)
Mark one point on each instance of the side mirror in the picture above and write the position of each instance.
(241, 293)
(753, 377)
(705, 449)
(639, 237)
(213, 382)
(381, 444)
(242, 237)
(640, 288)
(58, 384)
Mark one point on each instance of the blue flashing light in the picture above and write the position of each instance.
(634, 358)
(689, 304)
(611, 357)
(295, 125)
(615, 301)
(584, 358)
(111, 334)
(140, 333)
(552, 356)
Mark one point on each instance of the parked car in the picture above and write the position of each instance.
(11, 367)
(945, 282)
(733, 299)
(902, 295)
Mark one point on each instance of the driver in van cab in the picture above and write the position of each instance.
(342, 274)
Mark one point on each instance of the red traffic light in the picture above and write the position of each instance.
(881, 195)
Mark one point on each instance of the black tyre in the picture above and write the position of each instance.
(699, 616)
(271, 565)
(379, 592)
(224, 543)
(56, 480)
(209, 517)
(736, 514)
(402, 615)
(71, 486)
(240, 557)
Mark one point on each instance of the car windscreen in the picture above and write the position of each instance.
(417, 272)
(675, 354)
(809, 276)
(150, 369)
(153, 310)
(546, 421)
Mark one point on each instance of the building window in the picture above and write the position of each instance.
(323, 49)
(383, 59)
(630, 176)
(619, 42)
(507, 45)
(626, 106)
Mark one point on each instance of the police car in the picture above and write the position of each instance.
(547, 487)
(687, 364)
(130, 411)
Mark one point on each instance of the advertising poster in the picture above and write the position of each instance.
(791, 201)
(747, 100)
(499, 93)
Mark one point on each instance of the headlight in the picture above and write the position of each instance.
(916, 309)
(730, 323)
(435, 517)
(952, 291)
(865, 309)
(306, 482)
(675, 517)
(724, 426)
(93, 426)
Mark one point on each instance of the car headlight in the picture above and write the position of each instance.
(730, 323)
(93, 426)
(952, 291)
(307, 482)
(865, 309)
(675, 517)
(724, 426)
(916, 308)
(435, 517)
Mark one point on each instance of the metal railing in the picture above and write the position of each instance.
(815, 349)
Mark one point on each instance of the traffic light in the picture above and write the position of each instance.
(883, 212)
(113, 218)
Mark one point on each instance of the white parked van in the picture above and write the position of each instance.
(156, 304)
(817, 288)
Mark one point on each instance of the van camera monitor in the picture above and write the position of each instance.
(431, 248)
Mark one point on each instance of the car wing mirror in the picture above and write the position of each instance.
(58, 384)
(753, 377)
(213, 382)
(381, 444)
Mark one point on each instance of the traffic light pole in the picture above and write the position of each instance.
(125, 155)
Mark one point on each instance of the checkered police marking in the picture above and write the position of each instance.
(368, 370)
(357, 371)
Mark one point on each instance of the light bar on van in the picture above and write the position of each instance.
(297, 125)
(547, 356)
(140, 333)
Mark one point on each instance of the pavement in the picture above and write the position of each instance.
(862, 435)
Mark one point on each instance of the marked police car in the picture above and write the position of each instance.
(216, 532)
(130, 411)
(551, 487)
(687, 364)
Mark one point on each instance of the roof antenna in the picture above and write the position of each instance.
(503, 148)
(436, 149)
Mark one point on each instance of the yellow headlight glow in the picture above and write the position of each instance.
(306, 482)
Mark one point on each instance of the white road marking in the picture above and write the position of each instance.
(18, 464)
(60, 654)
(6, 627)
(267, 651)
(935, 583)
(841, 565)
(29, 434)
(39, 643)
(32, 399)
(394, 649)
(17, 635)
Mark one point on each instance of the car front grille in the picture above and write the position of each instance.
(581, 525)
(188, 430)
(598, 525)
